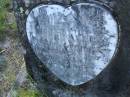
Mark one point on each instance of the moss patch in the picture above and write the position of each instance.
(28, 93)
(4, 25)
(3, 13)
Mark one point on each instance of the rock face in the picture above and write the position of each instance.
(113, 81)
(76, 43)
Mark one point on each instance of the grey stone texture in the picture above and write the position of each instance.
(76, 43)
(113, 81)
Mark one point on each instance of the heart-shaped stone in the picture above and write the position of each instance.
(76, 43)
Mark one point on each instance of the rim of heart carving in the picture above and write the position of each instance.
(87, 4)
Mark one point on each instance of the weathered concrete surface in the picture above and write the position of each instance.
(76, 43)
(114, 81)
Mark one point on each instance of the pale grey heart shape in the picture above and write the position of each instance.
(76, 43)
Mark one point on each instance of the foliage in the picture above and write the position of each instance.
(4, 5)
(28, 93)
(4, 26)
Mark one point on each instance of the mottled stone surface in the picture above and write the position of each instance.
(114, 81)
(76, 43)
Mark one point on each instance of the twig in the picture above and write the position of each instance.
(2, 51)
